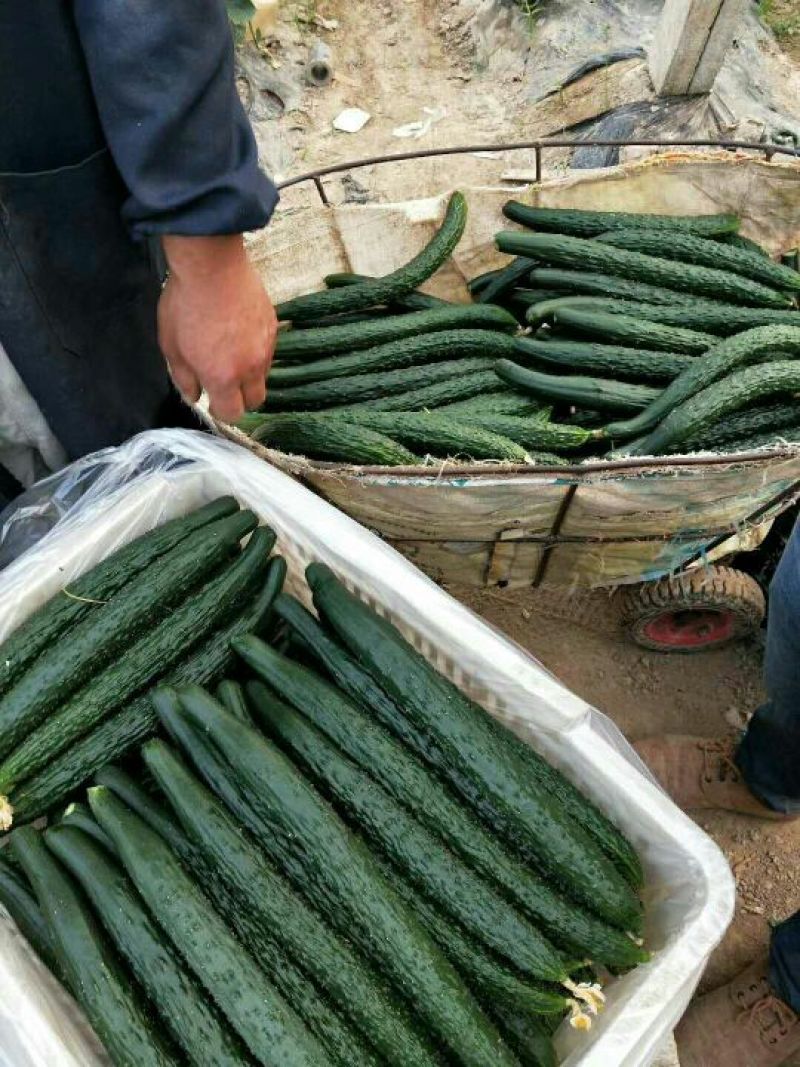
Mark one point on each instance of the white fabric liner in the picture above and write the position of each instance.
(158, 475)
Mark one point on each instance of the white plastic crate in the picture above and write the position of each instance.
(690, 891)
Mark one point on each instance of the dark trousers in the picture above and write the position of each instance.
(769, 755)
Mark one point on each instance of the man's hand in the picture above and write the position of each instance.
(216, 324)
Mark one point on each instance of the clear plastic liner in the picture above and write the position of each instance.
(102, 502)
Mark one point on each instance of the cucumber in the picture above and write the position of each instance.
(590, 223)
(276, 912)
(725, 357)
(690, 249)
(380, 384)
(505, 280)
(358, 685)
(116, 1010)
(508, 402)
(603, 259)
(634, 331)
(341, 1041)
(603, 394)
(138, 720)
(708, 406)
(231, 696)
(610, 286)
(153, 654)
(311, 344)
(545, 310)
(529, 1038)
(406, 352)
(366, 294)
(766, 419)
(411, 783)
(416, 853)
(84, 595)
(250, 1004)
(339, 440)
(491, 768)
(737, 240)
(62, 668)
(413, 301)
(348, 887)
(534, 434)
(616, 360)
(20, 903)
(706, 317)
(78, 815)
(480, 281)
(459, 387)
(437, 434)
(772, 439)
(181, 1001)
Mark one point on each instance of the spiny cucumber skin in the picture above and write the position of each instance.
(610, 286)
(382, 290)
(705, 316)
(424, 397)
(377, 385)
(591, 223)
(718, 399)
(508, 402)
(404, 352)
(635, 331)
(599, 393)
(594, 256)
(337, 441)
(769, 418)
(690, 249)
(635, 363)
(758, 441)
(722, 360)
(323, 341)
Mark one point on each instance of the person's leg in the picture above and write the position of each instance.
(769, 755)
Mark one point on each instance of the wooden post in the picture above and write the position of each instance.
(690, 44)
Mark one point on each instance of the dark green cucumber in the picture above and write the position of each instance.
(357, 684)
(480, 281)
(329, 341)
(508, 402)
(533, 434)
(83, 596)
(525, 1034)
(616, 360)
(62, 668)
(686, 248)
(491, 768)
(412, 301)
(77, 815)
(276, 911)
(138, 720)
(505, 280)
(705, 317)
(603, 259)
(179, 998)
(610, 286)
(590, 223)
(339, 440)
(767, 418)
(378, 384)
(709, 405)
(17, 898)
(116, 1011)
(603, 394)
(416, 853)
(319, 851)
(250, 1003)
(138, 666)
(737, 240)
(633, 331)
(435, 433)
(408, 352)
(410, 782)
(726, 356)
(341, 1041)
(545, 310)
(231, 695)
(459, 387)
(791, 259)
(773, 439)
(381, 290)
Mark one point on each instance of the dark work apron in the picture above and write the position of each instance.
(77, 296)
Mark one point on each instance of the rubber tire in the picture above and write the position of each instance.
(711, 589)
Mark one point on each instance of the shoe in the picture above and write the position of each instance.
(700, 772)
(743, 1024)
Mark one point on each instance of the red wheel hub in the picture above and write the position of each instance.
(691, 629)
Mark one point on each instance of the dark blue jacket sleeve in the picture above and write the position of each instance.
(162, 73)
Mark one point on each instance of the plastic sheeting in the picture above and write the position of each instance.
(690, 891)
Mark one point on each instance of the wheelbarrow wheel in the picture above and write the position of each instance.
(694, 611)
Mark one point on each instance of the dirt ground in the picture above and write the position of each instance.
(783, 17)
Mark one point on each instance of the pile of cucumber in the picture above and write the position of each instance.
(607, 333)
(336, 858)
